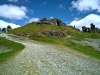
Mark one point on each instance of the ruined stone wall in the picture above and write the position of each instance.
(92, 29)
(57, 22)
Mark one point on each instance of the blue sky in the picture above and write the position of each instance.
(72, 12)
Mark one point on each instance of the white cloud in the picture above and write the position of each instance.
(44, 3)
(13, 12)
(86, 21)
(61, 6)
(86, 5)
(31, 11)
(33, 20)
(51, 17)
(13, 0)
(5, 24)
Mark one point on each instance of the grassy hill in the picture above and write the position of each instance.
(58, 35)
(13, 46)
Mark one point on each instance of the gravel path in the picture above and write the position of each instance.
(42, 59)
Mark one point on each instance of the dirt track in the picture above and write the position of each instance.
(44, 59)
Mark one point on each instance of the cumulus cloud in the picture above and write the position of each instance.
(5, 24)
(61, 6)
(13, 0)
(86, 21)
(86, 5)
(13, 12)
(33, 20)
(51, 17)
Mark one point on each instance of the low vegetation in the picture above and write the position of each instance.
(71, 34)
(13, 46)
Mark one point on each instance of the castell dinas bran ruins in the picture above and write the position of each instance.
(5, 30)
(56, 22)
(59, 23)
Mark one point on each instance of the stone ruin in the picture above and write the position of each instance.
(5, 30)
(92, 29)
(57, 22)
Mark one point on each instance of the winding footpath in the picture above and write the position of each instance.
(45, 59)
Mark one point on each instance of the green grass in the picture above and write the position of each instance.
(34, 28)
(15, 47)
(88, 50)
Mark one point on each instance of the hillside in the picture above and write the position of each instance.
(61, 35)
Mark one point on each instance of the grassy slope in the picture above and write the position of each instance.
(66, 41)
(34, 29)
(15, 47)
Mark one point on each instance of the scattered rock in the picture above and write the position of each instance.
(54, 34)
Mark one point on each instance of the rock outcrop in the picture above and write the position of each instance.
(84, 29)
(5, 30)
(92, 29)
(55, 34)
(57, 22)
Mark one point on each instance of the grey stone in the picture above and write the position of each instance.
(84, 29)
(55, 34)
(9, 28)
(92, 28)
(56, 22)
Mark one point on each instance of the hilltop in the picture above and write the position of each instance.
(45, 28)
(54, 31)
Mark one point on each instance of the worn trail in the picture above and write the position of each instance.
(44, 59)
